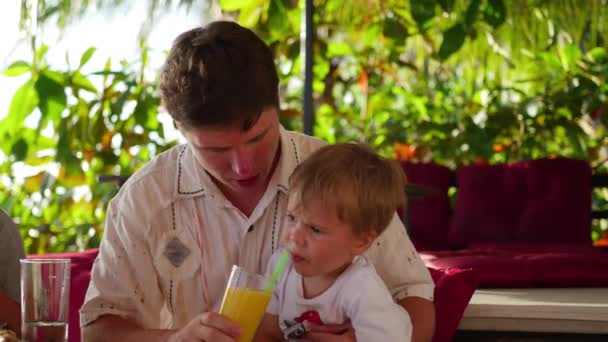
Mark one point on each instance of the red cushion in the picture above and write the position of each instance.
(519, 265)
(80, 275)
(453, 290)
(428, 219)
(493, 270)
(488, 203)
(570, 269)
(558, 202)
(541, 201)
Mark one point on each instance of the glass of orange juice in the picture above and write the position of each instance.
(245, 301)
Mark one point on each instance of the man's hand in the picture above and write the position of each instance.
(330, 333)
(208, 326)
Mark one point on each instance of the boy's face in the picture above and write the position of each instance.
(320, 245)
(239, 161)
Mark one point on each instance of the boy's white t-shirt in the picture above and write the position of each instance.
(358, 295)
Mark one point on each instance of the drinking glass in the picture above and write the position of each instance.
(45, 296)
(245, 301)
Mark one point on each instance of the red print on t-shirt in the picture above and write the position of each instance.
(310, 316)
(296, 329)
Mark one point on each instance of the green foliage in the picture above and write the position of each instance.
(87, 125)
(456, 82)
(453, 81)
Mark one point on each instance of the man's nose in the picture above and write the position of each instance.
(242, 163)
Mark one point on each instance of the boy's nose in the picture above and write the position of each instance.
(296, 235)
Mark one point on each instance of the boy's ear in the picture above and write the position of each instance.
(364, 240)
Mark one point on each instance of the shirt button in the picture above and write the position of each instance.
(250, 229)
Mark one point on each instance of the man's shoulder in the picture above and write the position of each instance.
(159, 168)
(305, 144)
(10, 238)
(6, 223)
(154, 183)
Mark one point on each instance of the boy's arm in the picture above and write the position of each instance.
(422, 315)
(269, 329)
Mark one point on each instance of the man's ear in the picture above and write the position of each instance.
(363, 241)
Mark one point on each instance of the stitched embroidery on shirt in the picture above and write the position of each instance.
(295, 151)
(176, 252)
(171, 295)
(274, 220)
(179, 176)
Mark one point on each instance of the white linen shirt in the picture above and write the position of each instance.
(358, 295)
(171, 238)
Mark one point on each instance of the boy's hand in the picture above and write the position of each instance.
(330, 333)
(208, 326)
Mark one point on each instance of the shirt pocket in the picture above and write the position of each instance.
(177, 256)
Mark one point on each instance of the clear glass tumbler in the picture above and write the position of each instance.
(45, 299)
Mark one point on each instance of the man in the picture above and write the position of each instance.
(11, 250)
(178, 225)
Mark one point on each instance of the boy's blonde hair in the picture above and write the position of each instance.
(362, 187)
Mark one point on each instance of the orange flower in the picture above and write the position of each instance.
(498, 148)
(602, 241)
(404, 152)
(363, 84)
(480, 161)
(106, 140)
(290, 113)
(88, 155)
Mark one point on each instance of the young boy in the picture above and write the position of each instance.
(341, 198)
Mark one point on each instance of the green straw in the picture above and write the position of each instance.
(277, 271)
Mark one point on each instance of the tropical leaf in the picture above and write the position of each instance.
(23, 103)
(453, 39)
(52, 99)
(17, 68)
(86, 56)
(422, 11)
(495, 12)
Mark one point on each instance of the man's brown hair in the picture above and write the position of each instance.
(218, 74)
(363, 188)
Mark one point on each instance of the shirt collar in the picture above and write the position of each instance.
(290, 158)
(188, 179)
(192, 180)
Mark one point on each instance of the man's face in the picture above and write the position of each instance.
(240, 162)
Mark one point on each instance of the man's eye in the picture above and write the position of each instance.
(315, 230)
(218, 150)
(256, 139)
